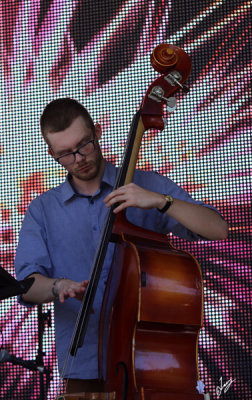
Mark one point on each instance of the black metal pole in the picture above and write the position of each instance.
(43, 319)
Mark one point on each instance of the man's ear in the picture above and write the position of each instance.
(98, 131)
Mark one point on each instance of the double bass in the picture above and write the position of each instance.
(152, 307)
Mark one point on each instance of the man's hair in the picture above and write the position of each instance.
(59, 114)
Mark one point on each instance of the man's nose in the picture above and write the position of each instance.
(79, 157)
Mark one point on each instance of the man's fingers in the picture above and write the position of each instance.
(116, 199)
(72, 289)
(121, 207)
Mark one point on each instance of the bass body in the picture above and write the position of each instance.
(150, 319)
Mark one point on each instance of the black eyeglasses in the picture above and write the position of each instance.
(83, 150)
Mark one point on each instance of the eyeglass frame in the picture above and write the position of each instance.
(77, 151)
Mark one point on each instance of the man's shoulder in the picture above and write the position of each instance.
(151, 178)
(48, 195)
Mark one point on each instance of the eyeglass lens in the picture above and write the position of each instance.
(83, 150)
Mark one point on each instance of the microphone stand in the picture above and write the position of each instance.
(43, 319)
(38, 363)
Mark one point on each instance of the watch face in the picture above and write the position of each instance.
(169, 198)
(169, 201)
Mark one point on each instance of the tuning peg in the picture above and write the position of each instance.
(174, 79)
(171, 104)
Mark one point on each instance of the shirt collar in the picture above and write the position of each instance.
(108, 178)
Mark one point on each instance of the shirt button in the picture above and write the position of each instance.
(95, 228)
(91, 201)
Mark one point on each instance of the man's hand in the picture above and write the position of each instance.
(132, 195)
(67, 288)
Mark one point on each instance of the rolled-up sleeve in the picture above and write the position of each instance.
(32, 254)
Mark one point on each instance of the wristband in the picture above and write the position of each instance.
(55, 294)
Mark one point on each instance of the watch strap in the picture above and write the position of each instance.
(169, 201)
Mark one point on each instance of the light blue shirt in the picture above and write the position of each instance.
(58, 238)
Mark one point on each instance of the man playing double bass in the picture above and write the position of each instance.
(61, 228)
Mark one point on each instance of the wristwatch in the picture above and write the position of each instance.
(169, 200)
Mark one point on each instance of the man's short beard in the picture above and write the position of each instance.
(96, 164)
